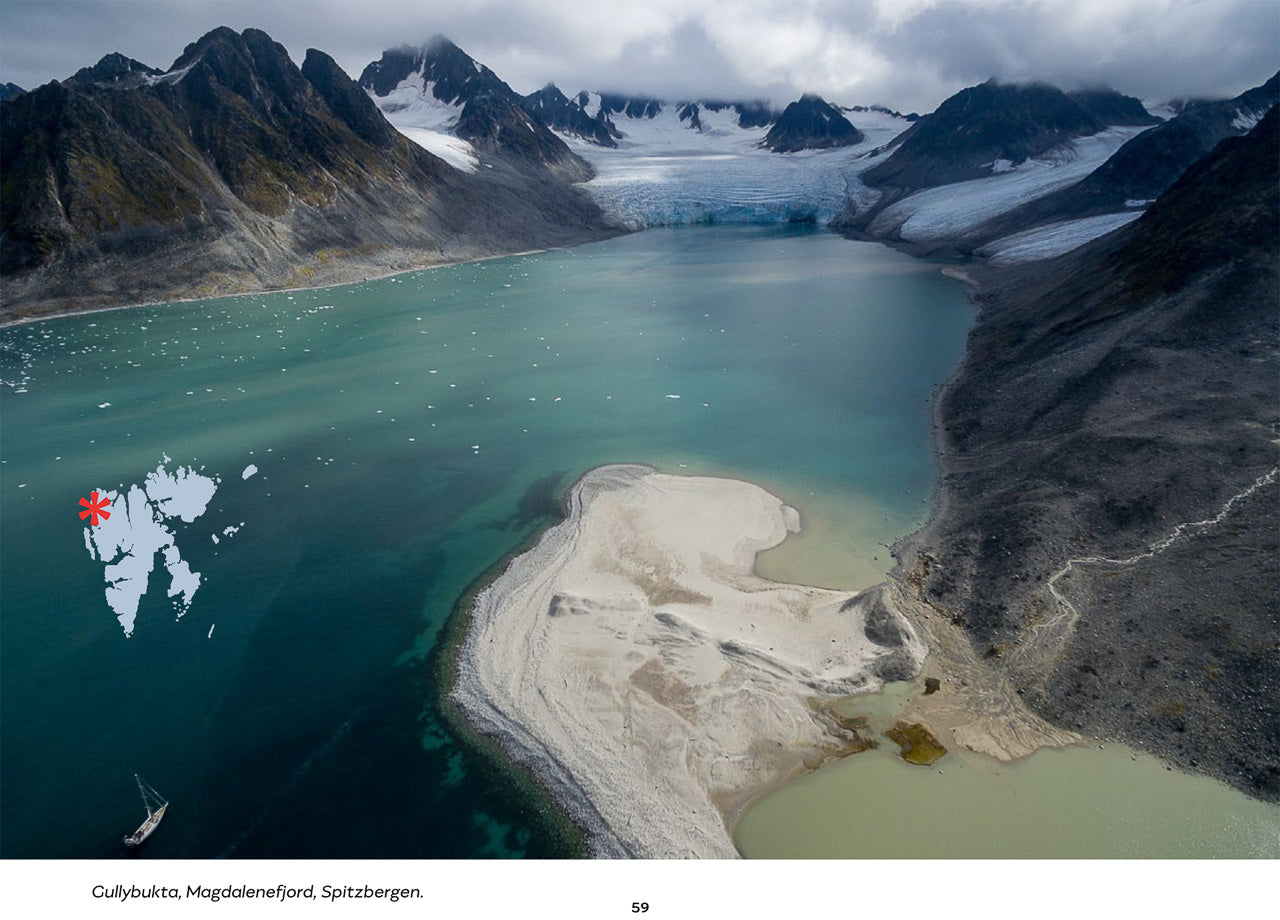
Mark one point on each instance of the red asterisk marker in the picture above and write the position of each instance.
(97, 508)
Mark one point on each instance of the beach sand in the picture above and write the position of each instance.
(635, 661)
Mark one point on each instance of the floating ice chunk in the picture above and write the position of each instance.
(673, 396)
(248, 471)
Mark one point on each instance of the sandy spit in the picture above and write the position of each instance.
(634, 660)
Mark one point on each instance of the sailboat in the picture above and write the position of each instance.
(155, 804)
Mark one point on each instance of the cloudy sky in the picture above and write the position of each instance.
(907, 54)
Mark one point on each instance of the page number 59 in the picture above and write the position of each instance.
(639, 907)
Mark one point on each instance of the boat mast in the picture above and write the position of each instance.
(146, 803)
(151, 800)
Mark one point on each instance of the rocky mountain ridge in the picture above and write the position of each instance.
(236, 170)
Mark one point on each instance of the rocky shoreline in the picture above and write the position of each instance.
(1116, 407)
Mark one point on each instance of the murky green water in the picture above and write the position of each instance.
(1075, 803)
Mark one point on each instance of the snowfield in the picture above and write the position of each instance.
(663, 172)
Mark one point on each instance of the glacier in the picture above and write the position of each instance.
(664, 172)
(951, 211)
(1054, 239)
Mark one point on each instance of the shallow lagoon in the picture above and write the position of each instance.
(1084, 802)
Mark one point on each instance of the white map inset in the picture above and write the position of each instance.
(127, 542)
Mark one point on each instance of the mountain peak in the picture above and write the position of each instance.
(114, 68)
(212, 37)
(810, 123)
(980, 125)
(492, 115)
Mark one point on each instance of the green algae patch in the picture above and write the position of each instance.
(917, 743)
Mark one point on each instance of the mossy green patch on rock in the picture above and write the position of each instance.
(917, 743)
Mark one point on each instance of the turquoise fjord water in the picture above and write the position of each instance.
(408, 433)
(307, 725)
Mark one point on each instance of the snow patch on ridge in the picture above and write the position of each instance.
(414, 111)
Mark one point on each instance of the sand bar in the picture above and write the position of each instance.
(635, 661)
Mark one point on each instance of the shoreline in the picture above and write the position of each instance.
(449, 263)
(442, 669)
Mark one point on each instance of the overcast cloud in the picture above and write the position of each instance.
(907, 54)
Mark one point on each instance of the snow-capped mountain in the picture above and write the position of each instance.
(1011, 171)
(1074, 188)
(654, 161)
(986, 152)
(982, 130)
(116, 70)
(238, 169)
(811, 123)
(1137, 173)
(558, 111)
(447, 102)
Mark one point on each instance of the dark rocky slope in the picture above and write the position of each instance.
(1106, 398)
(810, 123)
(627, 106)
(978, 126)
(237, 170)
(883, 110)
(1113, 108)
(10, 91)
